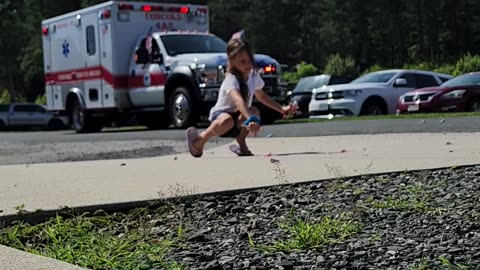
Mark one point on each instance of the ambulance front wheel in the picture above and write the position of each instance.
(82, 121)
(182, 109)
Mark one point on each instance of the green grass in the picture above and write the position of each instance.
(314, 235)
(454, 266)
(99, 242)
(380, 117)
(422, 265)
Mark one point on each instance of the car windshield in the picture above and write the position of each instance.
(180, 44)
(375, 77)
(308, 83)
(466, 79)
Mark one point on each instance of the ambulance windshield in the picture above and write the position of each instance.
(180, 44)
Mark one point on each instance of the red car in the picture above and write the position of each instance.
(459, 94)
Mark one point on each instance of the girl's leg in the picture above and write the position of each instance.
(241, 138)
(219, 126)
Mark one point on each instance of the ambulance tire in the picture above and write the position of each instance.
(182, 108)
(82, 121)
(2, 125)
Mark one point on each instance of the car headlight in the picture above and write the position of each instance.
(454, 94)
(351, 93)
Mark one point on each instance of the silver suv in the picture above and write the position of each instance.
(371, 94)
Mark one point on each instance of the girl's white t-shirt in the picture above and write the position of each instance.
(225, 103)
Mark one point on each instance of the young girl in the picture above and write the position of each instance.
(233, 115)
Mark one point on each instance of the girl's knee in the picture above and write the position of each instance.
(225, 120)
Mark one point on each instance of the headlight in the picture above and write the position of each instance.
(454, 94)
(351, 93)
(209, 75)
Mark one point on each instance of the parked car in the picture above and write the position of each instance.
(17, 115)
(461, 93)
(302, 93)
(371, 94)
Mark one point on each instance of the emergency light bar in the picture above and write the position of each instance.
(149, 8)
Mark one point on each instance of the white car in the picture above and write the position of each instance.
(371, 94)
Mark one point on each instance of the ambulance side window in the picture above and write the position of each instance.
(91, 49)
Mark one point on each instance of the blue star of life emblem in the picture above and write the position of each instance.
(66, 49)
(147, 81)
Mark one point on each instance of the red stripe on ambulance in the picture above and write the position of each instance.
(96, 73)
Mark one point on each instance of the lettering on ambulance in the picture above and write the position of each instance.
(165, 26)
(163, 17)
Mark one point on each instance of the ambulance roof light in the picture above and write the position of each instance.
(106, 14)
(184, 10)
(146, 8)
(123, 6)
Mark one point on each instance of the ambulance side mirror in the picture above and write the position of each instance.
(142, 56)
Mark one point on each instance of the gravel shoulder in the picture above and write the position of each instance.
(412, 220)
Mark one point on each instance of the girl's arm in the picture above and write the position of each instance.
(240, 103)
(267, 100)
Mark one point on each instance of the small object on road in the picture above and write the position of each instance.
(272, 160)
(268, 155)
(175, 158)
(441, 120)
(343, 151)
(449, 143)
(123, 164)
(451, 151)
(269, 135)
(421, 121)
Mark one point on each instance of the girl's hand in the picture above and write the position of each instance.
(290, 110)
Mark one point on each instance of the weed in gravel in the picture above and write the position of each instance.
(308, 234)
(422, 265)
(96, 242)
(454, 266)
(402, 204)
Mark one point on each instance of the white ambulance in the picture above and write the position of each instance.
(153, 63)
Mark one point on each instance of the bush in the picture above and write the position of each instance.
(373, 68)
(420, 66)
(468, 63)
(446, 69)
(339, 66)
(41, 100)
(303, 70)
(5, 97)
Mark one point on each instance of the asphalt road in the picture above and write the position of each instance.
(339, 127)
(60, 146)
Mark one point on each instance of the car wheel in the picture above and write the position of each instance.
(2, 125)
(82, 122)
(55, 124)
(182, 109)
(373, 106)
(474, 105)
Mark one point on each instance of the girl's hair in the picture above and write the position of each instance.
(235, 46)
